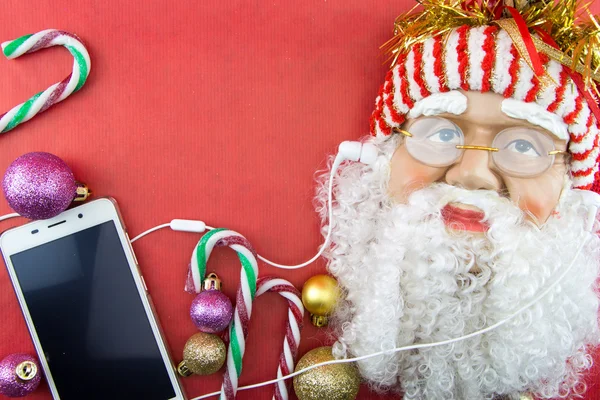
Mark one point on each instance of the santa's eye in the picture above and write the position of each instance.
(446, 135)
(523, 152)
(433, 141)
(523, 147)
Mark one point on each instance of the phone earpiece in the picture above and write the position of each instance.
(365, 153)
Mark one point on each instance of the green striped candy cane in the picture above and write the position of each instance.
(55, 93)
(238, 330)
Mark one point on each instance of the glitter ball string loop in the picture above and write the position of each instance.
(291, 341)
(238, 329)
(56, 93)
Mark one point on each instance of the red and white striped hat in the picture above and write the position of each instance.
(484, 59)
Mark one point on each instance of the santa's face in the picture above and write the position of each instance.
(480, 124)
(407, 278)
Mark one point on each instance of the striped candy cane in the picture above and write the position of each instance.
(55, 93)
(291, 342)
(238, 330)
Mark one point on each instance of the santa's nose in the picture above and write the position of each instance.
(472, 171)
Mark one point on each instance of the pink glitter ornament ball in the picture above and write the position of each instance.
(39, 185)
(211, 311)
(20, 375)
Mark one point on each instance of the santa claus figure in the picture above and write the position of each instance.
(482, 194)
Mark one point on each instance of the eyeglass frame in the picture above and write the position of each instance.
(477, 147)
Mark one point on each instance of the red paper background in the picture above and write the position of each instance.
(213, 110)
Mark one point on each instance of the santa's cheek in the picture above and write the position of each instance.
(538, 197)
(541, 208)
(408, 175)
(534, 208)
(402, 185)
(402, 193)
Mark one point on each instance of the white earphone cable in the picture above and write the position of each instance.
(329, 228)
(274, 264)
(9, 216)
(421, 345)
(149, 231)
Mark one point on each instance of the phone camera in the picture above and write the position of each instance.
(80, 216)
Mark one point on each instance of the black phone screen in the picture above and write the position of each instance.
(90, 320)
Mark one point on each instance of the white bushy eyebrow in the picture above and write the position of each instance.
(452, 102)
(536, 115)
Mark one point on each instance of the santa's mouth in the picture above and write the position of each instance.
(464, 218)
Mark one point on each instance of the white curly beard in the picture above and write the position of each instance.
(407, 280)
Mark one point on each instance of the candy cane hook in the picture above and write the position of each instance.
(55, 93)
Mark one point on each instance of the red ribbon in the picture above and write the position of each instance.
(534, 56)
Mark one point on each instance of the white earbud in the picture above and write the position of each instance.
(365, 153)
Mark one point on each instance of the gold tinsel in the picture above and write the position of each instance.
(568, 22)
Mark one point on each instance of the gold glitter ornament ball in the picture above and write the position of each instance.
(204, 353)
(330, 382)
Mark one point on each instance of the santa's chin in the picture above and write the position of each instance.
(409, 279)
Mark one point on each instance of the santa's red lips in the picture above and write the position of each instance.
(461, 219)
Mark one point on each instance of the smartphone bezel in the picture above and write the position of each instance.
(96, 212)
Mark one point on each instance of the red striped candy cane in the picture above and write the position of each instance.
(250, 287)
(291, 341)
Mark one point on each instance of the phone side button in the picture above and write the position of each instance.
(144, 283)
(131, 249)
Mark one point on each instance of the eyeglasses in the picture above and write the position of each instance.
(520, 152)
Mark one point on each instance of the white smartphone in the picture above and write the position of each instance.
(87, 307)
